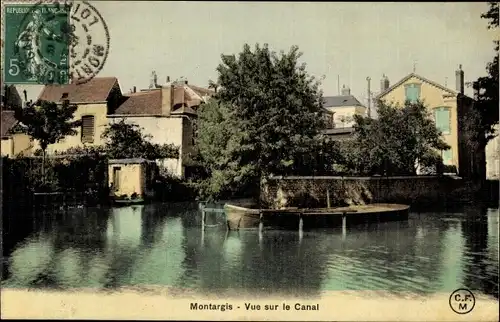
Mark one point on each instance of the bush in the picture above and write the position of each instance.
(85, 175)
(168, 188)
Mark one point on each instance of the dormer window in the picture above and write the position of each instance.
(64, 96)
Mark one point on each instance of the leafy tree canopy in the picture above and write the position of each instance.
(277, 105)
(222, 149)
(266, 118)
(487, 90)
(124, 140)
(47, 122)
(394, 142)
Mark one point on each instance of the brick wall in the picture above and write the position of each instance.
(279, 192)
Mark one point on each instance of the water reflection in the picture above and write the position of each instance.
(164, 245)
(479, 240)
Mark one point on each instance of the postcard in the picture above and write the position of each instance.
(331, 161)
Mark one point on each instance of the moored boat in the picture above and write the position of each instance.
(242, 216)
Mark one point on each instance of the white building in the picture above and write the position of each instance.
(344, 107)
(166, 114)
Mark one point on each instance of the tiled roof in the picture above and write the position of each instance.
(201, 91)
(8, 122)
(147, 102)
(95, 90)
(341, 100)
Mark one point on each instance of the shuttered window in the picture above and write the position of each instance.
(412, 92)
(88, 129)
(447, 157)
(442, 116)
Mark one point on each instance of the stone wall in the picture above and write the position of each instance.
(277, 192)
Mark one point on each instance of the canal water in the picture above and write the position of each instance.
(164, 245)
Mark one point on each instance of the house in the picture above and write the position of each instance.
(13, 144)
(448, 108)
(344, 107)
(95, 100)
(131, 178)
(166, 113)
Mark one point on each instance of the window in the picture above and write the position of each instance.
(442, 117)
(447, 157)
(64, 95)
(412, 92)
(88, 129)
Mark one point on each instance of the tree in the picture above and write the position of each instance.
(485, 115)
(220, 146)
(395, 143)
(213, 85)
(46, 122)
(267, 118)
(277, 104)
(124, 140)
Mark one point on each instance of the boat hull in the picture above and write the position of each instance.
(245, 217)
(241, 217)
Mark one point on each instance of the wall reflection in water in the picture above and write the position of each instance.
(163, 245)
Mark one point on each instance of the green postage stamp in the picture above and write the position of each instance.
(36, 47)
(53, 43)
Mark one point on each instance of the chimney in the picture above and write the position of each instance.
(25, 96)
(186, 82)
(459, 75)
(384, 83)
(135, 89)
(346, 91)
(167, 95)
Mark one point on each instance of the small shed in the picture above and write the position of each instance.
(131, 178)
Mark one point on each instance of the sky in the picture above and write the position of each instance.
(349, 41)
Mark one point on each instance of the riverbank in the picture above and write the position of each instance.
(164, 303)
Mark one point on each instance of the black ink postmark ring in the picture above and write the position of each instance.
(462, 301)
(55, 43)
(90, 43)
